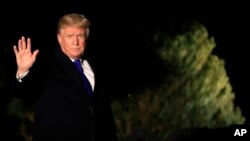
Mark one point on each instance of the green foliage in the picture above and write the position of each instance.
(196, 91)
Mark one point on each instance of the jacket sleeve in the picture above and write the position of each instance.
(29, 89)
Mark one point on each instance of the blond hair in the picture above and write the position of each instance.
(74, 19)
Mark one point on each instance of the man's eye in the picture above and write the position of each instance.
(81, 35)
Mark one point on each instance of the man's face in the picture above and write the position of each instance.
(72, 41)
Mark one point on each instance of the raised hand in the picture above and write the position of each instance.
(24, 57)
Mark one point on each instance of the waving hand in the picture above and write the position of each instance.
(24, 56)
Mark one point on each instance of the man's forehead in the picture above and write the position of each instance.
(72, 29)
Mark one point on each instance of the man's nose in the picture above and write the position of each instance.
(75, 40)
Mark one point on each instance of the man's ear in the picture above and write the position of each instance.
(59, 38)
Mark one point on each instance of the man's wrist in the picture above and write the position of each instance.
(21, 71)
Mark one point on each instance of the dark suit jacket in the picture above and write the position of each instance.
(62, 108)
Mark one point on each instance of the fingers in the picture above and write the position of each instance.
(22, 45)
(28, 44)
(23, 42)
(15, 50)
(35, 54)
(19, 45)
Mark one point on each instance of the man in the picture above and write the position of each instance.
(64, 108)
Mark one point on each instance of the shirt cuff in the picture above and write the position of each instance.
(19, 77)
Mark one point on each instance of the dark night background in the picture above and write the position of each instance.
(114, 25)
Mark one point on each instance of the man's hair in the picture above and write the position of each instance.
(74, 19)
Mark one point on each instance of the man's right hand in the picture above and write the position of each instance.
(24, 57)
